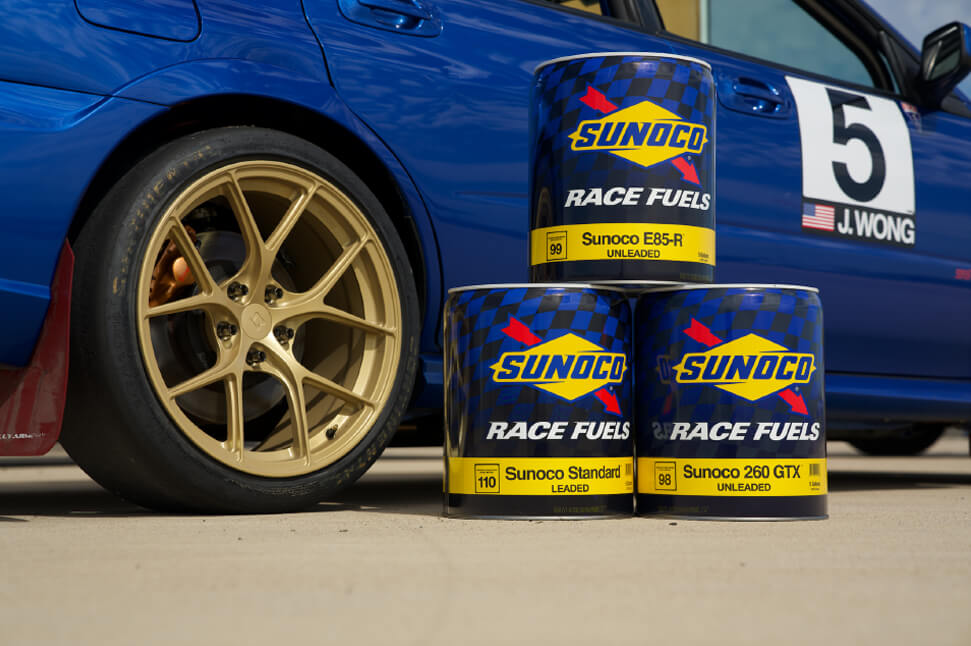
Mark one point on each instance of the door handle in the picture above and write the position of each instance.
(411, 17)
(404, 7)
(757, 90)
(752, 96)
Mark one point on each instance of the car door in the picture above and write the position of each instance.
(823, 179)
(449, 94)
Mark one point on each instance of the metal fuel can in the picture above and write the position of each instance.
(622, 169)
(730, 402)
(538, 417)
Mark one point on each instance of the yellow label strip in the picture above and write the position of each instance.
(736, 477)
(540, 476)
(622, 241)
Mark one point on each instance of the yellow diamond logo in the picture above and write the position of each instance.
(644, 133)
(568, 367)
(751, 367)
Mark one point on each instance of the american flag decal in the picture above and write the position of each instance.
(817, 216)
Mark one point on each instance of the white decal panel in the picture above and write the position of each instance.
(857, 165)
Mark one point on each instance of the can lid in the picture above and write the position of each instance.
(637, 285)
(691, 59)
(567, 286)
(678, 288)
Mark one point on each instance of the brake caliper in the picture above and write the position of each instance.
(171, 274)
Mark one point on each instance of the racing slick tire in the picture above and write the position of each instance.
(245, 327)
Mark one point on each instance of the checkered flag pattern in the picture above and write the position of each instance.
(790, 317)
(474, 341)
(680, 86)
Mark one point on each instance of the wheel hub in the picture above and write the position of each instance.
(185, 348)
(256, 321)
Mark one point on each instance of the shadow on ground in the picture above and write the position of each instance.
(880, 480)
(413, 494)
(79, 498)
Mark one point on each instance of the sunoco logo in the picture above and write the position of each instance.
(645, 134)
(750, 367)
(568, 366)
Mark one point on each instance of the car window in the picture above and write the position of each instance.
(779, 31)
(590, 6)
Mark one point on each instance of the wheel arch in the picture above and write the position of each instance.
(235, 109)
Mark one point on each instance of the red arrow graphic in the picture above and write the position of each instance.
(598, 101)
(611, 405)
(517, 330)
(688, 172)
(795, 401)
(702, 334)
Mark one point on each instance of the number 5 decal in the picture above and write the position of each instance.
(855, 148)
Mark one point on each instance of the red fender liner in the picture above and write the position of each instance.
(32, 397)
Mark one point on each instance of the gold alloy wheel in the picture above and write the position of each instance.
(278, 362)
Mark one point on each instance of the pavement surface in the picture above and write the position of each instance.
(381, 566)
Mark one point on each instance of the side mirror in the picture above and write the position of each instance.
(945, 60)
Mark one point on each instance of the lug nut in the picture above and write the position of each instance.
(237, 290)
(272, 293)
(255, 357)
(226, 331)
(283, 333)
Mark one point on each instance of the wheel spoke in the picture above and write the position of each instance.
(298, 418)
(197, 265)
(247, 223)
(340, 316)
(195, 302)
(332, 388)
(235, 422)
(289, 220)
(336, 271)
(210, 376)
(328, 313)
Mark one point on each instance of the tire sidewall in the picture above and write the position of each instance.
(155, 438)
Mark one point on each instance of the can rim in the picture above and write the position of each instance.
(595, 54)
(466, 288)
(628, 285)
(730, 286)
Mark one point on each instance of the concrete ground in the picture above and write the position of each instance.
(380, 565)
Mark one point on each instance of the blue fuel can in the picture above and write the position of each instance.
(730, 402)
(622, 169)
(538, 413)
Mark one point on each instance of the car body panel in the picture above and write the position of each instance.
(169, 19)
(47, 42)
(84, 57)
(42, 194)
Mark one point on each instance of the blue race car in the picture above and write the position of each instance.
(242, 218)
